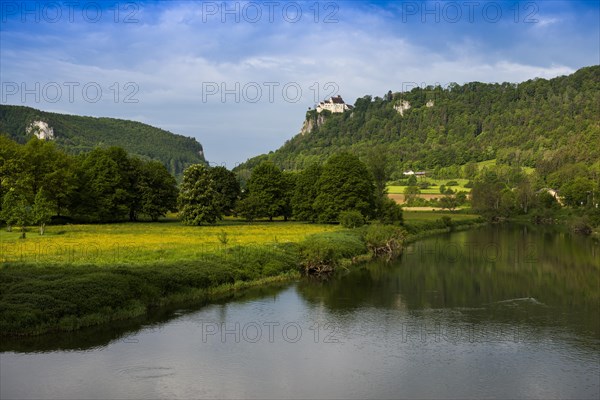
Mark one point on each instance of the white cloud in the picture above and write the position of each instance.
(542, 22)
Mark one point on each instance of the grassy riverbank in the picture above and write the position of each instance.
(420, 224)
(85, 275)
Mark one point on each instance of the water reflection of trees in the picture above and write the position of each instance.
(534, 276)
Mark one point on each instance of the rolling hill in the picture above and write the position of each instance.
(77, 134)
(538, 123)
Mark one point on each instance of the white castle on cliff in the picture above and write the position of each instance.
(335, 105)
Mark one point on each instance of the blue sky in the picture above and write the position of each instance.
(239, 75)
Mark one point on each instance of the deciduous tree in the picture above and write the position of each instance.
(42, 210)
(266, 193)
(198, 197)
(227, 187)
(345, 184)
(158, 190)
(305, 193)
(16, 210)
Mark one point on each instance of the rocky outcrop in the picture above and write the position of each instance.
(403, 106)
(41, 130)
(311, 122)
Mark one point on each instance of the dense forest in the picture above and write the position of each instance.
(77, 134)
(544, 124)
(39, 183)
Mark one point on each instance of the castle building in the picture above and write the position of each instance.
(335, 105)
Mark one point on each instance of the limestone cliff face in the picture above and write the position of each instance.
(41, 130)
(311, 122)
(403, 106)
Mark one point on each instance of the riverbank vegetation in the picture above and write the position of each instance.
(84, 275)
(505, 192)
(38, 298)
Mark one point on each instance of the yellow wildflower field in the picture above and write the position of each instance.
(141, 243)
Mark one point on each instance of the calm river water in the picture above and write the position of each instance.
(501, 311)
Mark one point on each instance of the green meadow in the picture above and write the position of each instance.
(436, 183)
(435, 188)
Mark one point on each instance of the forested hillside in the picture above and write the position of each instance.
(77, 134)
(539, 123)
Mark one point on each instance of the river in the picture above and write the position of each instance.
(499, 311)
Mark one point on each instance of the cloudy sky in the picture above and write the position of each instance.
(239, 76)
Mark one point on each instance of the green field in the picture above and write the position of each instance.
(165, 242)
(436, 183)
(435, 189)
(486, 163)
(491, 163)
(141, 243)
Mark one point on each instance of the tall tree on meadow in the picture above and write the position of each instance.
(42, 210)
(266, 193)
(102, 194)
(379, 167)
(289, 183)
(198, 200)
(227, 187)
(17, 210)
(37, 164)
(40, 156)
(377, 163)
(61, 182)
(305, 193)
(344, 185)
(158, 190)
(128, 188)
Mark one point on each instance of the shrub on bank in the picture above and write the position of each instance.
(321, 253)
(384, 239)
(581, 226)
(351, 219)
(391, 212)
